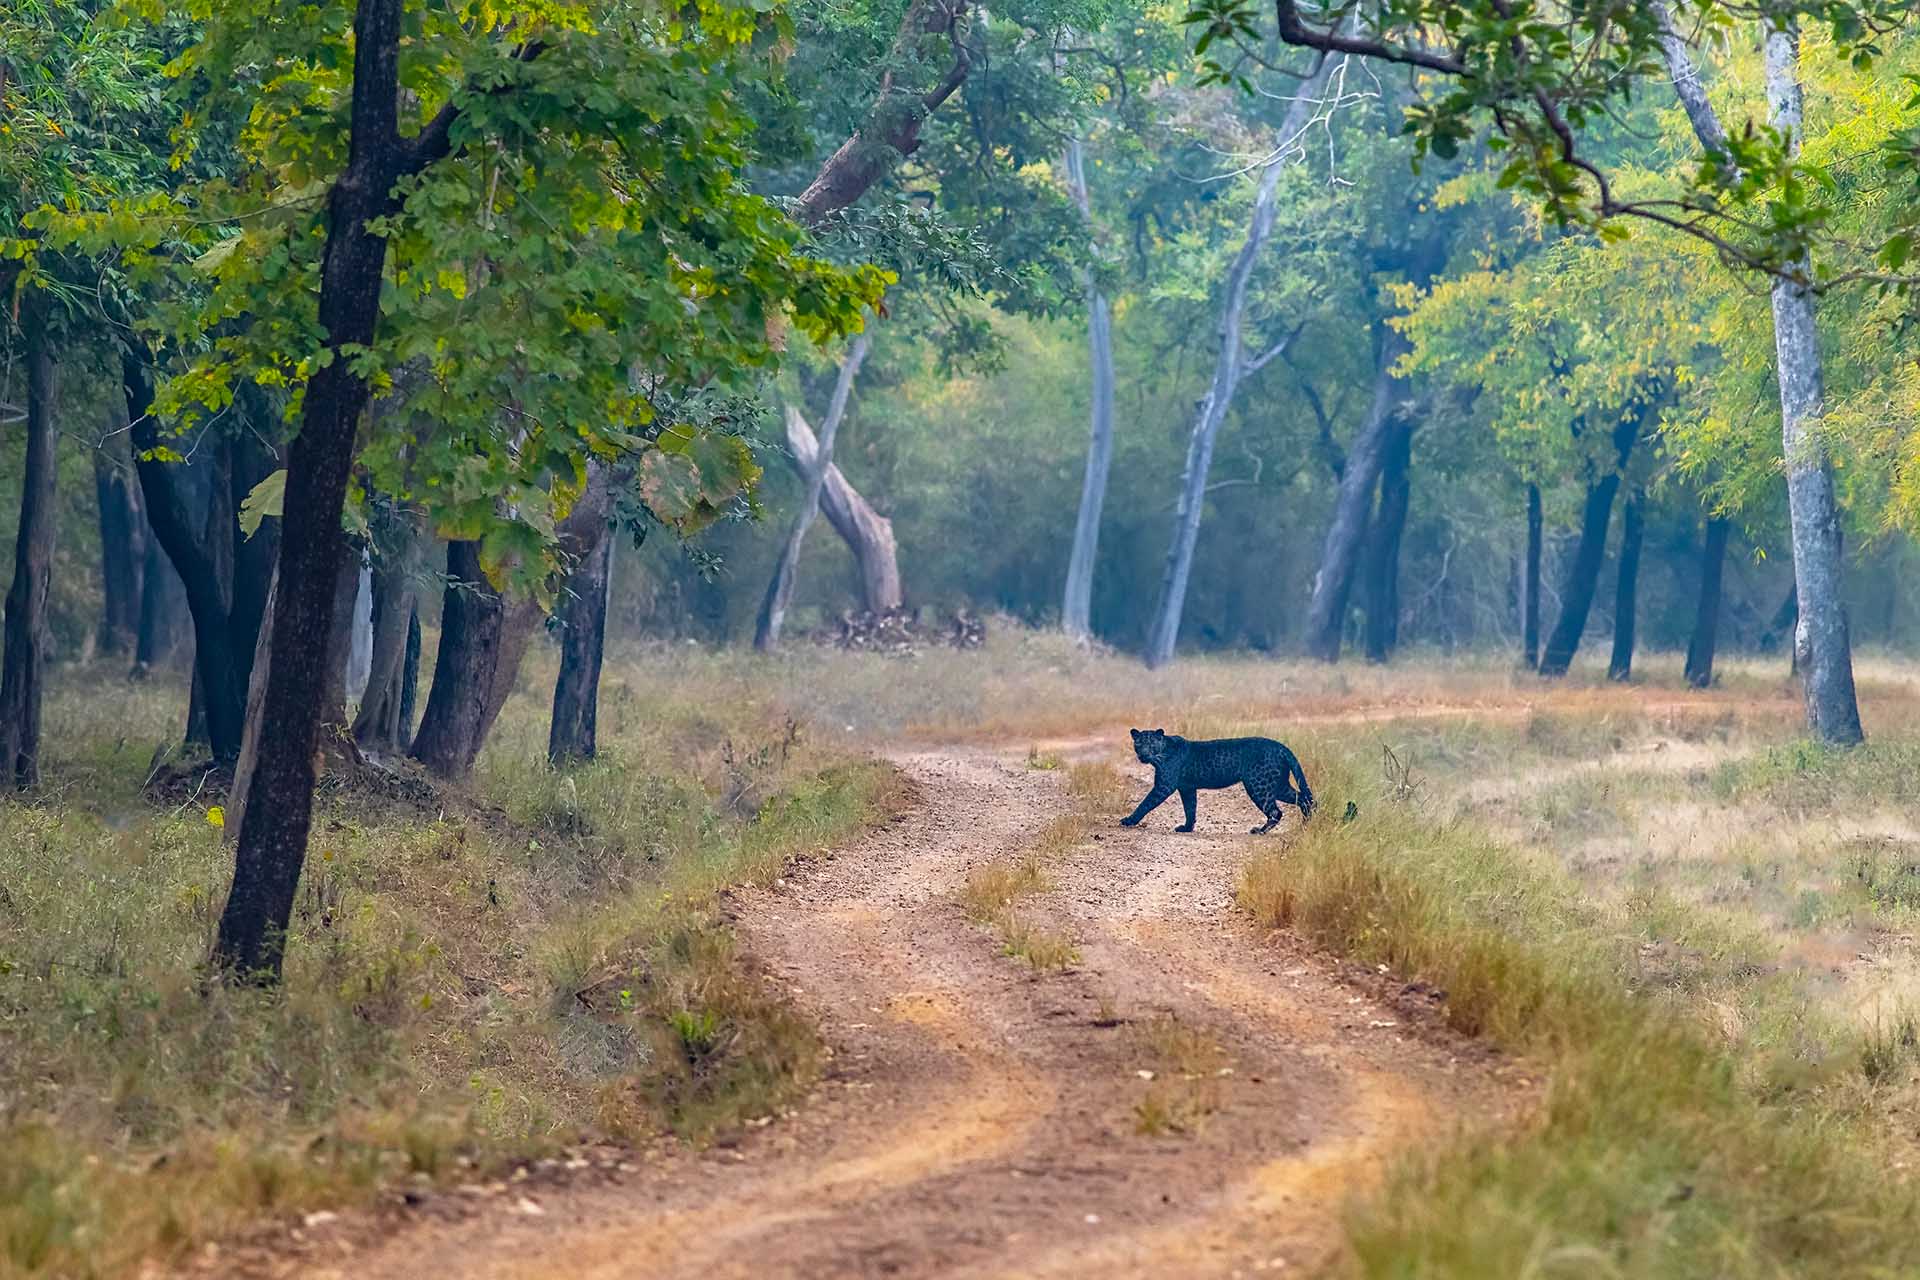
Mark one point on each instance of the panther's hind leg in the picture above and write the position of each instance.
(1273, 819)
(1265, 801)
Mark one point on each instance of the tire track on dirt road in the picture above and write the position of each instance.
(979, 1120)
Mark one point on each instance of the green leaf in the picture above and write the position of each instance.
(268, 498)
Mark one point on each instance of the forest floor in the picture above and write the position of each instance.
(838, 964)
(1180, 1096)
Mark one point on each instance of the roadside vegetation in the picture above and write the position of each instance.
(482, 975)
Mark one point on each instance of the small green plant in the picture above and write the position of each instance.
(698, 1031)
(1048, 760)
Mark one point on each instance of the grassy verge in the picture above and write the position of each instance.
(1666, 1146)
(536, 960)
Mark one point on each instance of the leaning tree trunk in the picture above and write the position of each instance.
(1326, 612)
(22, 667)
(571, 735)
(1626, 592)
(1706, 619)
(1383, 551)
(122, 547)
(1076, 610)
(409, 680)
(1212, 409)
(773, 607)
(867, 533)
(1530, 585)
(243, 766)
(273, 835)
(1820, 641)
(1583, 577)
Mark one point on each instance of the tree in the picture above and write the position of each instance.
(22, 666)
(1231, 364)
(573, 732)
(1077, 606)
(372, 235)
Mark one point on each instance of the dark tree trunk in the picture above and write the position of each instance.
(472, 617)
(346, 588)
(483, 638)
(196, 735)
(22, 665)
(122, 547)
(1784, 619)
(1530, 585)
(576, 694)
(409, 681)
(1626, 592)
(204, 574)
(1383, 551)
(273, 835)
(238, 794)
(1706, 619)
(1327, 612)
(1583, 577)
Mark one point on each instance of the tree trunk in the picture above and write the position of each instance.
(1326, 612)
(22, 667)
(867, 533)
(380, 725)
(1582, 577)
(1212, 409)
(483, 639)
(471, 614)
(1833, 713)
(339, 650)
(1818, 569)
(1383, 551)
(773, 608)
(206, 578)
(1076, 610)
(360, 639)
(122, 547)
(1626, 593)
(912, 87)
(1706, 619)
(409, 681)
(273, 835)
(576, 694)
(1530, 585)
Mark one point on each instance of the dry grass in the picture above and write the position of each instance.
(1183, 1069)
(536, 960)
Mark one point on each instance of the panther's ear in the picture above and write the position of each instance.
(1137, 735)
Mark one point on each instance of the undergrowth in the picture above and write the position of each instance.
(537, 959)
(1665, 1145)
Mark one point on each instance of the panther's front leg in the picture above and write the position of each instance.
(1153, 801)
(1189, 800)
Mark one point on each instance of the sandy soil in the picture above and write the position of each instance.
(980, 1120)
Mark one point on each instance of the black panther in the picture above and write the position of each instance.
(1261, 764)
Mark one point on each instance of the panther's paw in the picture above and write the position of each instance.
(1129, 822)
(1188, 827)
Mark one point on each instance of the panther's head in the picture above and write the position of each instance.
(1149, 744)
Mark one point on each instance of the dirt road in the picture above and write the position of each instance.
(980, 1120)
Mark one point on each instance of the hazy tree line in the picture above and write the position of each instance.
(336, 335)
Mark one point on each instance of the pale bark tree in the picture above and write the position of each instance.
(1230, 366)
(1076, 610)
(773, 608)
(1822, 649)
(867, 533)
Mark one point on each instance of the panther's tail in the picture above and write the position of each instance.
(1306, 792)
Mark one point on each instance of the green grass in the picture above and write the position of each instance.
(1665, 1146)
(534, 959)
